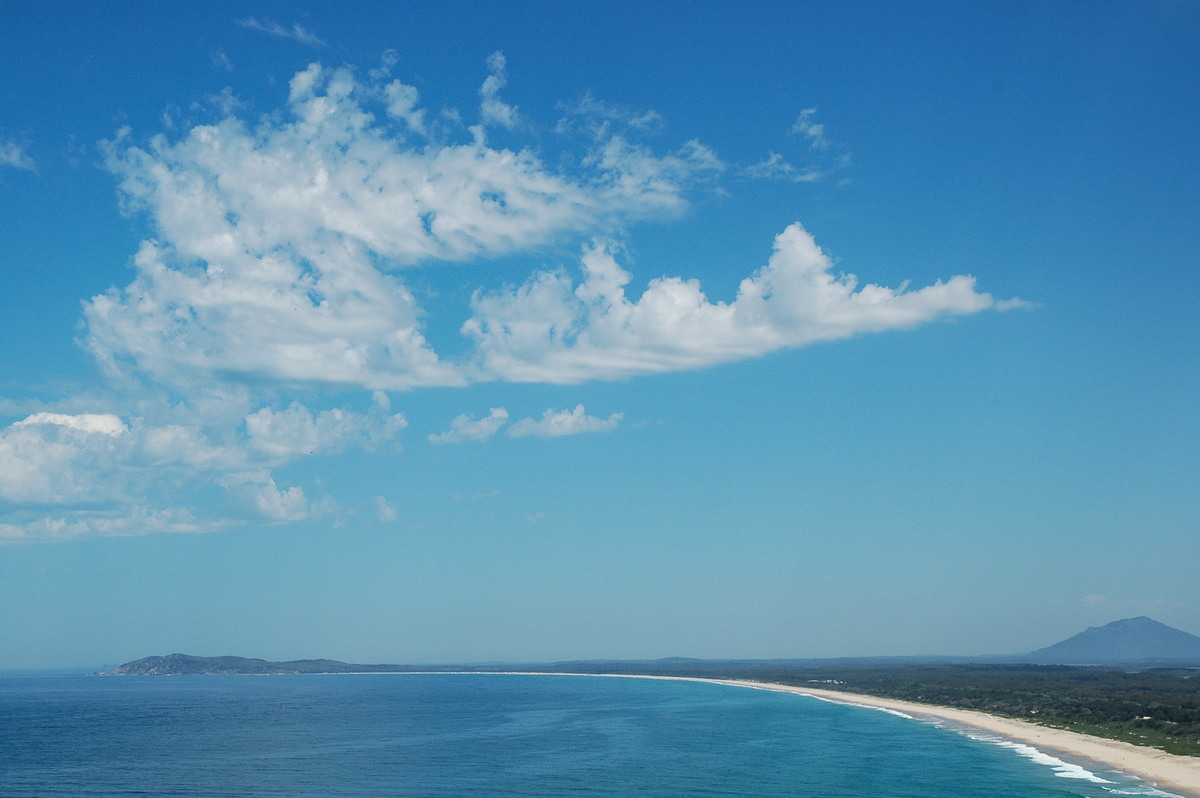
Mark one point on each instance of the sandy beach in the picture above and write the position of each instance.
(1169, 772)
(1179, 775)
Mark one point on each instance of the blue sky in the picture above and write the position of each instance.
(461, 332)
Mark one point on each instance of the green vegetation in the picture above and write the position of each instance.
(1156, 709)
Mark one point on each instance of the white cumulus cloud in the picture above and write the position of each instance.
(93, 474)
(290, 233)
(552, 329)
(56, 458)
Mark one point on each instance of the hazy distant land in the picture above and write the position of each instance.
(189, 665)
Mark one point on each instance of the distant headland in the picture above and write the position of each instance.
(190, 665)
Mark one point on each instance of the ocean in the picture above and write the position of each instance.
(482, 735)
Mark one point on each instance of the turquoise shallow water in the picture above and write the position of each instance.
(458, 735)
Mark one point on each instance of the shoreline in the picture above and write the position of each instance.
(1173, 773)
(1170, 772)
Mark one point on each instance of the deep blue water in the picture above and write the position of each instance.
(467, 735)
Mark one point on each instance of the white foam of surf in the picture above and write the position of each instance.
(1065, 770)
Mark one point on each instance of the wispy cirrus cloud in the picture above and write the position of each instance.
(775, 167)
(384, 510)
(125, 522)
(296, 32)
(14, 154)
(552, 424)
(599, 118)
(468, 428)
(493, 110)
(824, 159)
(283, 435)
(559, 423)
(813, 131)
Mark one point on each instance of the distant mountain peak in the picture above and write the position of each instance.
(1130, 640)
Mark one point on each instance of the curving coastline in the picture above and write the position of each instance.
(1179, 775)
(1170, 772)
